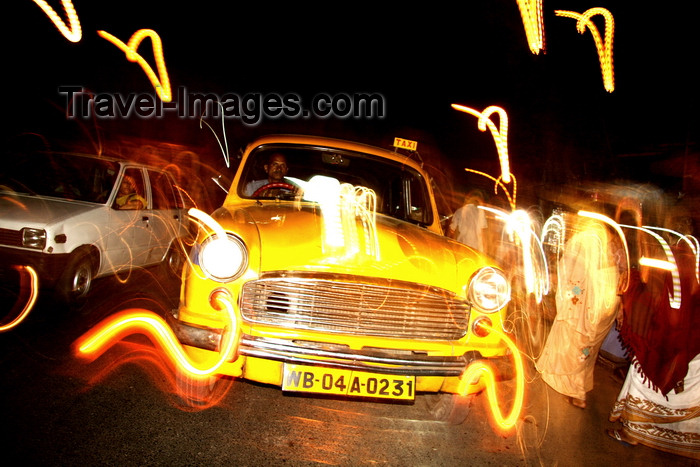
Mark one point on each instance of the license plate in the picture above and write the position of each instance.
(302, 378)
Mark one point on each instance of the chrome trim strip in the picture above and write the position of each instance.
(417, 365)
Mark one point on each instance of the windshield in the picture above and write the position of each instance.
(60, 176)
(283, 172)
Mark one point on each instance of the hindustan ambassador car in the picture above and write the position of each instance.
(328, 264)
(76, 217)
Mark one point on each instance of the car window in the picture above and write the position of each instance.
(163, 192)
(400, 191)
(132, 192)
(64, 176)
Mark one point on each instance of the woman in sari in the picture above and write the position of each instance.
(587, 305)
(659, 404)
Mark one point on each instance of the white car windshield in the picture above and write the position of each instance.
(60, 176)
(274, 171)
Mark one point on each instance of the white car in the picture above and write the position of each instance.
(77, 217)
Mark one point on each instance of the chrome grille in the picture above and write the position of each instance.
(10, 237)
(357, 305)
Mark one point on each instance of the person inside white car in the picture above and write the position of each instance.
(128, 198)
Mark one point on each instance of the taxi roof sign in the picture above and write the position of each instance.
(405, 144)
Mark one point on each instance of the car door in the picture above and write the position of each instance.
(129, 223)
(165, 215)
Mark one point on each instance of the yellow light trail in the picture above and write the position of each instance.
(480, 367)
(500, 136)
(75, 32)
(657, 263)
(605, 55)
(674, 296)
(132, 321)
(518, 222)
(33, 293)
(162, 85)
(531, 12)
(498, 182)
(616, 226)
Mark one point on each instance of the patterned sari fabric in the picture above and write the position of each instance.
(671, 423)
(659, 404)
(587, 304)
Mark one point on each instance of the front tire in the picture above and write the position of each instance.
(452, 409)
(196, 394)
(75, 283)
(174, 261)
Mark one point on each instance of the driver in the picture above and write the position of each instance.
(276, 169)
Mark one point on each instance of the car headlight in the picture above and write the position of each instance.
(489, 290)
(34, 238)
(223, 259)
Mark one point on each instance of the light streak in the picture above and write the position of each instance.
(616, 226)
(657, 263)
(341, 204)
(674, 296)
(207, 220)
(604, 49)
(519, 222)
(162, 85)
(30, 273)
(484, 370)
(75, 32)
(135, 320)
(224, 146)
(531, 12)
(690, 240)
(500, 136)
(555, 226)
(498, 182)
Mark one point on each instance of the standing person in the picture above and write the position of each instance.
(659, 403)
(587, 304)
(469, 222)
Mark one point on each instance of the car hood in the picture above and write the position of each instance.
(299, 238)
(20, 211)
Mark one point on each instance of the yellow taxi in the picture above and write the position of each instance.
(326, 271)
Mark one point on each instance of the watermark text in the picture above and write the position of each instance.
(250, 108)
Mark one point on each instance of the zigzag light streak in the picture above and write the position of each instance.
(500, 136)
(604, 49)
(531, 12)
(132, 321)
(481, 368)
(75, 32)
(162, 85)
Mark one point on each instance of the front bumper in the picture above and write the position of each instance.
(48, 266)
(382, 360)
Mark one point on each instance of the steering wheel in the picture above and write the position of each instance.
(268, 186)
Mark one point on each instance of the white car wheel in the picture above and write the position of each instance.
(76, 281)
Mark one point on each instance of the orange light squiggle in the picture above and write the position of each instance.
(162, 85)
(480, 367)
(511, 198)
(500, 136)
(75, 32)
(30, 273)
(132, 321)
(604, 49)
(531, 12)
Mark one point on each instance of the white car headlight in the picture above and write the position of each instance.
(33, 238)
(223, 259)
(489, 290)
